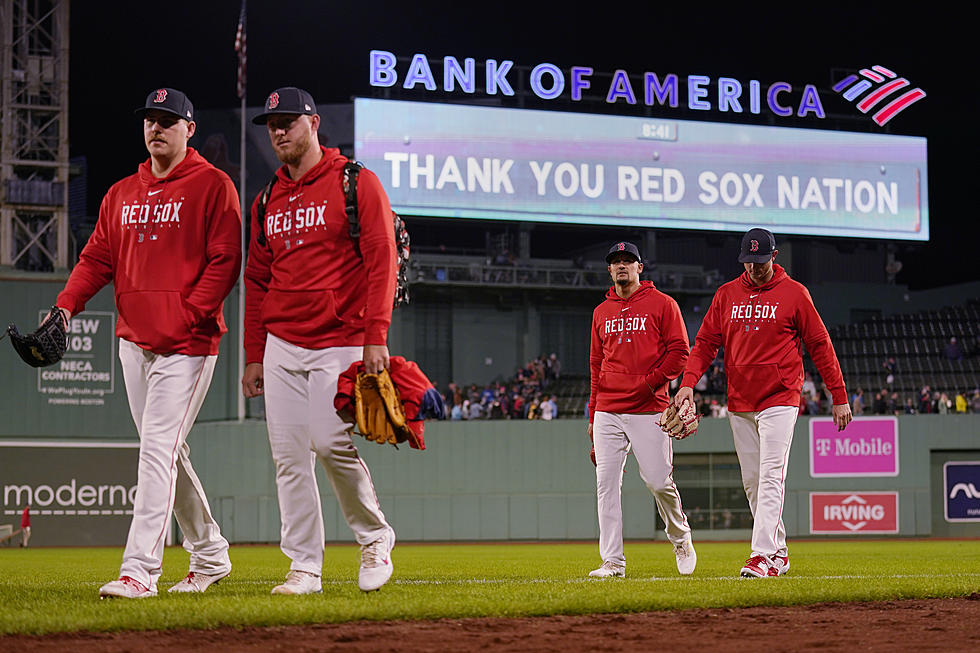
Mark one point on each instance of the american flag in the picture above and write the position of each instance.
(240, 49)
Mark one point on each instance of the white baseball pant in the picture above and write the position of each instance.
(300, 385)
(612, 436)
(762, 442)
(165, 394)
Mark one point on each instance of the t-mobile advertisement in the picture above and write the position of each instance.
(867, 447)
(549, 166)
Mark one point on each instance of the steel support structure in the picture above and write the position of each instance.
(34, 135)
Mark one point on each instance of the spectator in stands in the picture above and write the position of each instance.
(476, 410)
(891, 367)
(715, 408)
(880, 404)
(457, 411)
(547, 408)
(450, 395)
(975, 402)
(925, 400)
(909, 406)
(812, 403)
(534, 408)
(517, 412)
(894, 407)
(961, 404)
(554, 367)
(716, 380)
(857, 402)
(505, 403)
(952, 350)
(944, 404)
(702, 407)
(554, 407)
(809, 387)
(495, 411)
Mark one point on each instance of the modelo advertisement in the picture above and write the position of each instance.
(516, 164)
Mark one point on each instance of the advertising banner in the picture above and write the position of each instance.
(961, 480)
(867, 447)
(80, 493)
(853, 512)
(548, 166)
(86, 374)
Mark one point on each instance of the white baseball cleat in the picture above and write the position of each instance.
(196, 582)
(756, 567)
(376, 566)
(778, 564)
(299, 582)
(126, 588)
(687, 557)
(608, 570)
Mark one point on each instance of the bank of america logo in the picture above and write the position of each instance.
(877, 85)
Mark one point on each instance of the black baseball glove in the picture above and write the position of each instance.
(46, 345)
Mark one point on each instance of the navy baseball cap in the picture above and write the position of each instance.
(170, 100)
(757, 246)
(623, 248)
(287, 99)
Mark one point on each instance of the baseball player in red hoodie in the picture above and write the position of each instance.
(639, 343)
(312, 308)
(169, 240)
(763, 319)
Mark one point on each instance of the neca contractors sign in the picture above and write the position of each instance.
(876, 91)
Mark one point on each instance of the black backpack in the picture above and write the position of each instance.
(402, 240)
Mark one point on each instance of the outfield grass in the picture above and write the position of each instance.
(56, 590)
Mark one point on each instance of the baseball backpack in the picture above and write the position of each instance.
(402, 240)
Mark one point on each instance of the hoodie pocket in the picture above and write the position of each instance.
(156, 319)
(629, 388)
(311, 312)
(751, 383)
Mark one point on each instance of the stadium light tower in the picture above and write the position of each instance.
(34, 134)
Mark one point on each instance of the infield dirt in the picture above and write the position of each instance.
(920, 625)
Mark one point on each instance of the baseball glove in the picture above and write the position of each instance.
(680, 423)
(46, 345)
(378, 409)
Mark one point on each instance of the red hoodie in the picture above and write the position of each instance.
(763, 330)
(638, 345)
(172, 249)
(307, 285)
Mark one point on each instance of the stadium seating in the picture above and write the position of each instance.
(917, 342)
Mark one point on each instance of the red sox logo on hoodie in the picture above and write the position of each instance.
(620, 326)
(752, 314)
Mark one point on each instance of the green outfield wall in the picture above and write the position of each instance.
(517, 480)
(487, 480)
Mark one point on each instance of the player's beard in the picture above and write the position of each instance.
(295, 150)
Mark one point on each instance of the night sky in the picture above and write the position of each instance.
(122, 50)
